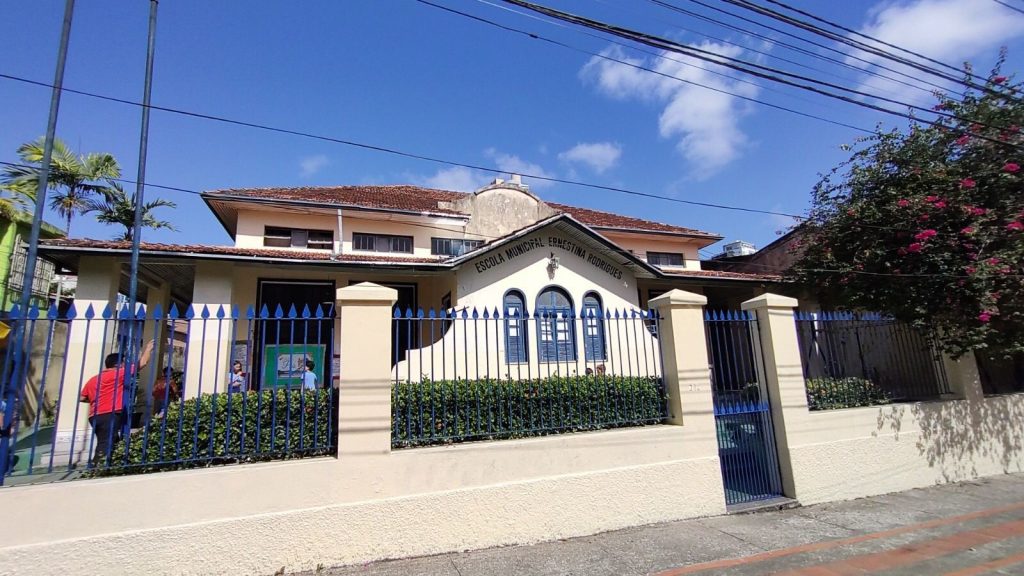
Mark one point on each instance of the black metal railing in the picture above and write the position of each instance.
(863, 359)
(472, 375)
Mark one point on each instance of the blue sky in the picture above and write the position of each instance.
(399, 74)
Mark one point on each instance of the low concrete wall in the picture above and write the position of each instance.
(842, 454)
(254, 519)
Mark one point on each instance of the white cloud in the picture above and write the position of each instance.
(952, 31)
(600, 156)
(455, 178)
(705, 123)
(513, 164)
(310, 165)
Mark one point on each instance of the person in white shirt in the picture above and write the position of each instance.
(308, 376)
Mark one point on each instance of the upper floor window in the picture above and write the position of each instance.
(381, 243)
(276, 237)
(453, 246)
(665, 259)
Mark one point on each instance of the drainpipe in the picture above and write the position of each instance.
(338, 243)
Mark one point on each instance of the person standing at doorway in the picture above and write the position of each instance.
(308, 376)
(105, 394)
(237, 383)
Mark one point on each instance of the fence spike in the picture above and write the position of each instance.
(173, 312)
(465, 314)
(292, 312)
(220, 312)
(396, 312)
(190, 312)
(72, 311)
(431, 314)
(158, 311)
(107, 312)
(419, 313)
(305, 313)
(15, 312)
(234, 312)
(140, 312)
(33, 312)
(487, 314)
(497, 313)
(205, 312)
(475, 315)
(278, 312)
(124, 313)
(319, 312)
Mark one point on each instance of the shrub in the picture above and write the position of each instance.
(832, 393)
(223, 428)
(445, 411)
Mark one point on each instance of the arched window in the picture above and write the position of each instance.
(515, 327)
(593, 327)
(556, 330)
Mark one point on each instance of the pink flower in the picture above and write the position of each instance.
(970, 269)
(1011, 167)
(967, 230)
(999, 79)
(993, 261)
(923, 217)
(978, 211)
(931, 198)
(963, 140)
(915, 247)
(924, 235)
(984, 317)
(903, 203)
(1015, 226)
(968, 183)
(940, 204)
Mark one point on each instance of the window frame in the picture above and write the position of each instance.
(519, 323)
(391, 238)
(595, 347)
(554, 320)
(277, 233)
(660, 258)
(466, 244)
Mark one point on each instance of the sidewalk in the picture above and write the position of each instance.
(963, 529)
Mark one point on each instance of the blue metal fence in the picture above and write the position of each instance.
(86, 396)
(865, 358)
(743, 420)
(476, 375)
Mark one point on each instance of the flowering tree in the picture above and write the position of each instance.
(927, 224)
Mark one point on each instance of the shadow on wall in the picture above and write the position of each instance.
(957, 436)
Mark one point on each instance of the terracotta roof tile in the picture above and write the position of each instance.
(311, 255)
(722, 274)
(418, 199)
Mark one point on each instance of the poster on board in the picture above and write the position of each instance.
(283, 364)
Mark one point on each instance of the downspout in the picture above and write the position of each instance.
(338, 239)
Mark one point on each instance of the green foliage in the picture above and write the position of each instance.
(223, 428)
(927, 224)
(445, 411)
(833, 393)
(116, 207)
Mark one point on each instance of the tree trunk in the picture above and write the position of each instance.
(67, 226)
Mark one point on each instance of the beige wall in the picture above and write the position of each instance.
(840, 454)
(639, 244)
(251, 224)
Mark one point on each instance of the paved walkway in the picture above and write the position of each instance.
(959, 529)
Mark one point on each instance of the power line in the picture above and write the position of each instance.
(1011, 7)
(742, 66)
(798, 49)
(645, 68)
(403, 154)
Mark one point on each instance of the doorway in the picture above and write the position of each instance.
(403, 335)
(294, 323)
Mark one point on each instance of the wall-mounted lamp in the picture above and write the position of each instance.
(552, 263)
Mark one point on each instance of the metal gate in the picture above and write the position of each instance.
(743, 421)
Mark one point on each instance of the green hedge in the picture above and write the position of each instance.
(833, 393)
(222, 428)
(445, 411)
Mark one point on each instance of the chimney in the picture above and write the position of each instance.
(516, 179)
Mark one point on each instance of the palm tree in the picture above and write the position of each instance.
(75, 178)
(116, 207)
(15, 197)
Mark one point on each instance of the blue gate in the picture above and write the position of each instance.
(746, 439)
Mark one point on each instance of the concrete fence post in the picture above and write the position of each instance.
(685, 355)
(779, 351)
(364, 392)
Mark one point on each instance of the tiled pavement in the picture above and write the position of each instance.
(958, 529)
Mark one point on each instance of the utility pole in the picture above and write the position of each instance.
(18, 340)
